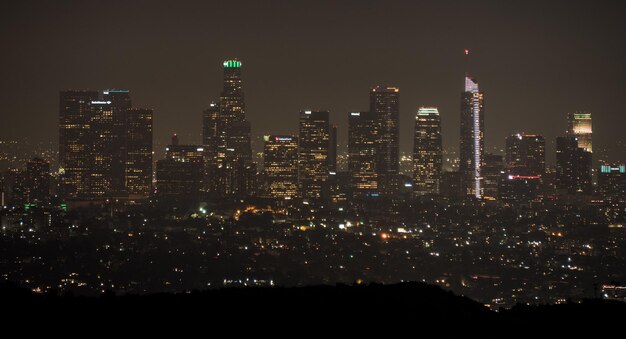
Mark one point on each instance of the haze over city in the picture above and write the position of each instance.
(537, 61)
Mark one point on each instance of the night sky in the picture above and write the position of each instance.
(535, 61)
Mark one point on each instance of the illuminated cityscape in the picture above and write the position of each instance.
(315, 176)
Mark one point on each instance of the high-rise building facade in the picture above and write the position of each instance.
(120, 103)
(427, 151)
(313, 153)
(573, 166)
(280, 160)
(385, 104)
(138, 165)
(579, 126)
(226, 135)
(74, 141)
(332, 149)
(493, 172)
(103, 142)
(37, 181)
(526, 154)
(233, 112)
(214, 142)
(362, 144)
(179, 177)
(612, 181)
(105, 146)
(472, 137)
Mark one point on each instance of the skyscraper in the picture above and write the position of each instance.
(120, 103)
(472, 137)
(525, 168)
(385, 104)
(138, 165)
(213, 140)
(313, 153)
(280, 159)
(332, 149)
(227, 134)
(101, 154)
(525, 154)
(233, 112)
(573, 166)
(493, 172)
(612, 181)
(105, 146)
(180, 175)
(579, 126)
(74, 140)
(427, 152)
(362, 143)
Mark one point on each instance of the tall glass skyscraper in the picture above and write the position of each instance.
(105, 146)
(526, 154)
(472, 137)
(233, 111)
(280, 160)
(362, 143)
(138, 152)
(427, 151)
(226, 134)
(579, 126)
(74, 141)
(313, 153)
(385, 104)
(573, 166)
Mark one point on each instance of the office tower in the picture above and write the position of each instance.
(525, 155)
(37, 181)
(120, 102)
(229, 169)
(385, 104)
(612, 181)
(210, 125)
(332, 149)
(427, 156)
(362, 144)
(214, 146)
(452, 184)
(472, 137)
(105, 146)
(180, 175)
(573, 165)
(493, 172)
(74, 141)
(519, 189)
(233, 111)
(102, 142)
(579, 126)
(280, 159)
(138, 167)
(313, 153)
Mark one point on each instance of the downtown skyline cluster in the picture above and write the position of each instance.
(105, 151)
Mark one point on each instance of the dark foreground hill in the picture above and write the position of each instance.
(405, 302)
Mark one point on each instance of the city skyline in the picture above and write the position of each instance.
(542, 71)
(430, 148)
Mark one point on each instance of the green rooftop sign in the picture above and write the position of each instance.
(232, 63)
